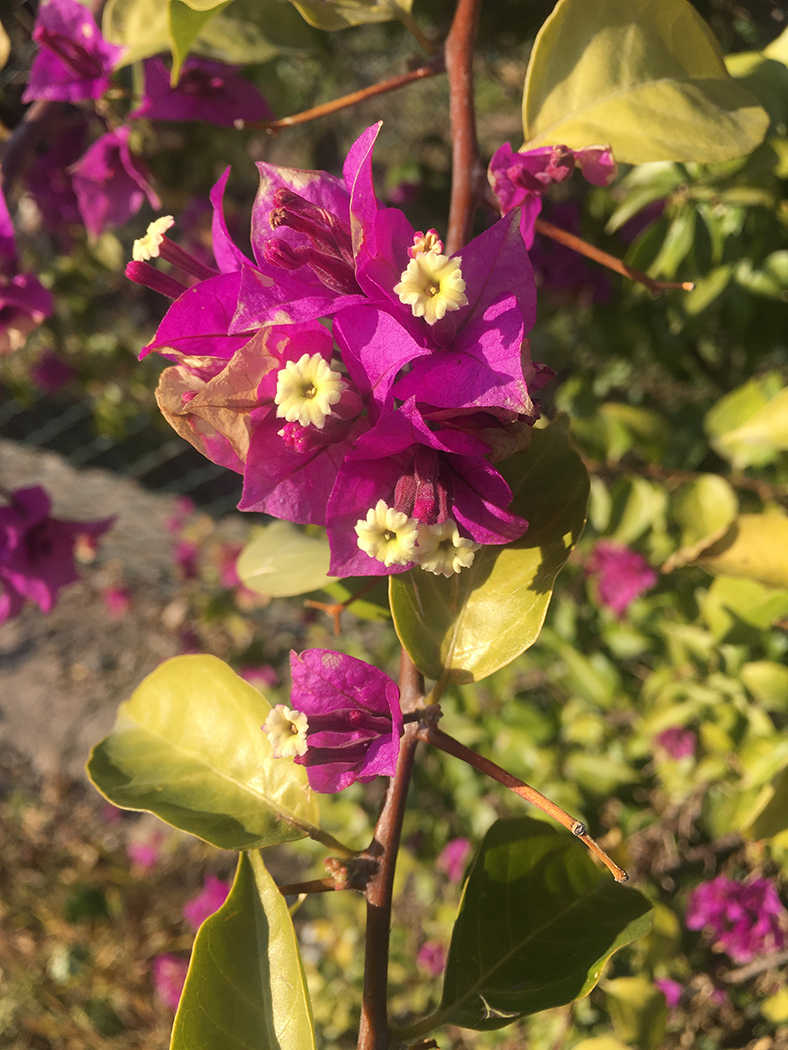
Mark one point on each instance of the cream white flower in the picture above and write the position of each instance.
(286, 731)
(442, 551)
(432, 285)
(388, 535)
(306, 389)
(147, 247)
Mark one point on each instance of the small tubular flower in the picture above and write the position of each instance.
(432, 286)
(388, 535)
(286, 731)
(306, 389)
(354, 719)
(442, 551)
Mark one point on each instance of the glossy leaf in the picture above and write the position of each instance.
(245, 989)
(749, 426)
(281, 560)
(648, 78)
(754, 547)
(339, 14)
(188, 747)
(537, 922)
(463, 628)
(703, 509)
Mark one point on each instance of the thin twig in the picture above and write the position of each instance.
(335, 609)
(431, 69)
(432, 735)
(467, 168)
(374, 1033)
(312, 886)
(577, 244)
(767, 962)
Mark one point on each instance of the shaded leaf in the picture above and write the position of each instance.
(282, 560)
(770, 813)
(463, 628)
(703, 509)
(648, 78)
(637, 505)
(755, 547)
(638, 1011)
(770, 279)
(537, 922)
(186, 22)
(245, 989)
(339, 14)
(188, 747)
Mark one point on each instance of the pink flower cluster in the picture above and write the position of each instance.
(621, 575)
(744, 919)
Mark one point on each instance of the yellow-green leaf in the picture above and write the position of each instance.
(768, 683)
(339, 14)
(646, 76)
(245, 989)
(141, 26)
(738, 610)
(186, 22)
(463, 628)
(282, 560)
(755, 547)
(770, 812)
(188, 746)
(638, 1011)
(749, 426)
(704, 509)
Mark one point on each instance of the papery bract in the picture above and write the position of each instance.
(209, 91)
(522, 179)
(677, 742)
(354, 718)
(111, 184)
(746, 920)
(74, 61)
(453, 858)
(37, 551)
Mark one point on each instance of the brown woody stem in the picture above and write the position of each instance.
(577, 244)
(430, 734)
(312, 886)
(432, 69)
(374, 1033)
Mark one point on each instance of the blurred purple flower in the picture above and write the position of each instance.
(169, 977)
(672, 991)
(454, 857)
(559, 269)
(111, 183)
(117, 602)
(621, 575)
(431, 958)
(260, 677)
(185, 556)
(228, 557)
(678, 742)
(212, 897)
(210, 91)
(345, 724)
(744, 919)
(24, 302)
(144, 855)
(51, 372)
(49, 182)
(183, 509)
(74, 61)
(37, 551)
(522, 179)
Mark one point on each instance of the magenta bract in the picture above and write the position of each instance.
(355, 721)
(621, 575)
(210, 91)
(746, 920)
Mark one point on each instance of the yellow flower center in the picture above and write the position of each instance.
(388, 535)
(306, 389)
(147, 247)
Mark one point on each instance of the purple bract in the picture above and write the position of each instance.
(621, 575)
(210, 91)
(745, 920)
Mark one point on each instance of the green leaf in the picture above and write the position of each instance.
(646, 77)
(245, 989)
(537, 923)
(768, 683)
(649, 430)
(749, 426)
(703, 509)
(188, 747)
(770, 813)
(339, 14)
(463, 628)
(707, 290)
(637, 505)
(732, 605)
(141, 26)
(769, 280)
(282, 560)
(638, 1011)
(254, 31)
(755, 547)
(186, 22)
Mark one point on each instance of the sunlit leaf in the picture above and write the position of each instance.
(648, 78)
(339, 14)
(637, 505)
(465, 627)
(537, 923)
(755, 547)
(141, 26)
(186, 22)
(770, 813)
(750, 425)
(732, 605)
(245, 989)
(188, 747)
(282, 560)
(703, 509)
(768, 683)
(638, 1011)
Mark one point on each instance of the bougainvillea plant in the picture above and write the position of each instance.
(373, 385)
